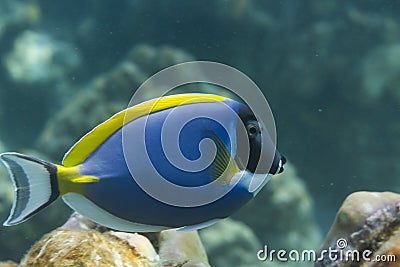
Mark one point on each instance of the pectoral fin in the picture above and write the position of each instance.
(224, 166)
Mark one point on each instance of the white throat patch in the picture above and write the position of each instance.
(257, 182)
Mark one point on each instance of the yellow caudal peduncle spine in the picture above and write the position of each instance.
(70, 180)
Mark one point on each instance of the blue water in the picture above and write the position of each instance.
(328, 69)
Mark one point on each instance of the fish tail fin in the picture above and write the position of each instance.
(35, 185)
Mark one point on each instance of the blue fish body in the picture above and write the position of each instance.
(99, 176)
(115, 176)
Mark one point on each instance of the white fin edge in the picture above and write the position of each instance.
(87, 208)
(198, 226)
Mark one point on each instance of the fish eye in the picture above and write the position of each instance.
(253, 130)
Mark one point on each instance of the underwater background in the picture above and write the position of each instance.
(329, 69)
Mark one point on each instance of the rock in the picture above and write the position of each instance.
(8, 264)
(231, 243)
(381, 71)
(140, 243)
(79, 222)
(37, 57)
(81, 242)
(110, 248)
(178, 248)
(390, 250)
(83, 248)
(16, 14)
(16, 240)
(366, 221)
(151, 59)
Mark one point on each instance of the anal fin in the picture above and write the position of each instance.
(89, 209)
(198, 226)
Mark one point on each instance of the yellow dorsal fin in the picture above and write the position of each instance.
(92, 140)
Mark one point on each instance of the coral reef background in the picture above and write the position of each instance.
(329, 69)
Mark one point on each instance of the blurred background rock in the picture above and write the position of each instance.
(329, 70)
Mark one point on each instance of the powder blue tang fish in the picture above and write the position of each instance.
(102, 175)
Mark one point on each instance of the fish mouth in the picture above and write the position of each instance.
(263, 167)
(281, 164)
